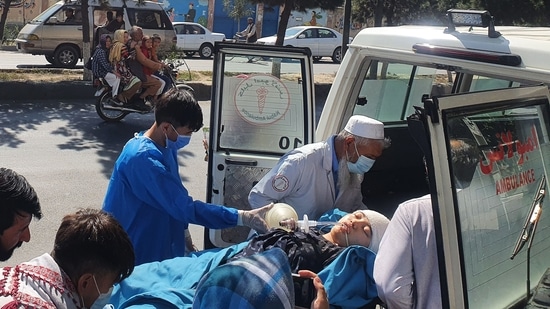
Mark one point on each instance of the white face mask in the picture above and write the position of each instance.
(103, 298)
(362, 165)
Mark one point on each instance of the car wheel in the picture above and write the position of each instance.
(189, 54)
(206, 50)
(50, 59)
(337, 55)
(66, 57)
(317, 59)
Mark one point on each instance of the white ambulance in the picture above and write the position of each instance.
(469, 80)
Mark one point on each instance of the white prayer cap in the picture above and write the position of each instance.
(378, 225)
(364, 126)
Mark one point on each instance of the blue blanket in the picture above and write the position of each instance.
(173, 283)
(170, 283)
(262, 280)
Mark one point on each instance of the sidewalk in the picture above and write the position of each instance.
(68, 90)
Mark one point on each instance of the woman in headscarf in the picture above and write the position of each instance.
(117, 57)
(101, 67)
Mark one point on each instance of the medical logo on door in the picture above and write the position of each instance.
(262, 99)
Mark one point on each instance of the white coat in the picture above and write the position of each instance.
(303, 178)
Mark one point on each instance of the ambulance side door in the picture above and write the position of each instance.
(487, 247)
(262, 107)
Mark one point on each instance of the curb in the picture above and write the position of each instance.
(82, 90)
(8, 47)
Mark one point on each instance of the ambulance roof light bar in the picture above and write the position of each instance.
(471, 18)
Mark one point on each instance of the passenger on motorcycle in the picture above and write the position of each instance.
(137, 61)
(117, 57)
(147, 50)
(167, 80)
(101, 67)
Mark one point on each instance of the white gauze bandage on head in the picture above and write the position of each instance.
(378, 224)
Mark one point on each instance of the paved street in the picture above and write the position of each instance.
(16, 60)
(67, 154)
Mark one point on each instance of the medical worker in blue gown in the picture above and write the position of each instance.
(147, 196)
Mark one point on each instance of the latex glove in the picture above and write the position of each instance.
(255, 218)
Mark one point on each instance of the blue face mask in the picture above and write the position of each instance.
(103, 298)
(362, 165)
(181, 141)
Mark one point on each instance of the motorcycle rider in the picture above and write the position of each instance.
(138, 60)
(249, 32)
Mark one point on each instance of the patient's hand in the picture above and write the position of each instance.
(321, 299)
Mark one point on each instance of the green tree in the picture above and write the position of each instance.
(5, 7)
(237, 9)
(510, 12)
(396, 12)
(296, 5)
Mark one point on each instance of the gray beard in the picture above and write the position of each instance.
(345, 178)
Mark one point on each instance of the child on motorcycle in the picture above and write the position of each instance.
(146, 49)
(167, 80)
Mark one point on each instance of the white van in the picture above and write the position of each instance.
(427, 84)
(59, 39)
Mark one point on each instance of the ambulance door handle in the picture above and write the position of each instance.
(230, 161)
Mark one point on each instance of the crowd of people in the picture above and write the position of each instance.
(128, 62)
(146, 211)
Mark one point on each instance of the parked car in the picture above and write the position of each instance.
(60, 41)
(323, 42)
(193, 37)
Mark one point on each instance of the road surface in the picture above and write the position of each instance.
(67, 153)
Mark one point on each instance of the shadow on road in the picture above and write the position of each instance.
(79, 126)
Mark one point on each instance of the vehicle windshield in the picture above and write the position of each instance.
(292, 31)
(46, 14)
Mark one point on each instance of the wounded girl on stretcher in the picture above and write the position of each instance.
(343, 258)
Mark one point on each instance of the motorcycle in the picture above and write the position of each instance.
(109, 109)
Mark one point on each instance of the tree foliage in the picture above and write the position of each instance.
(296, 5)
(5, 9)
(237, 9)
(398, 12)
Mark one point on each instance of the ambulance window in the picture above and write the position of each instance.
(480, 83)
(392, 89)
(264, 104)
(513, 145)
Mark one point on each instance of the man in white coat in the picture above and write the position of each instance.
(316, 178)
(406, 266)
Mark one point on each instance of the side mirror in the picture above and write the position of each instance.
(52, 20)
(302, 36)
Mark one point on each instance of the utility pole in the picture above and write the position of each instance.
(347, 22)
